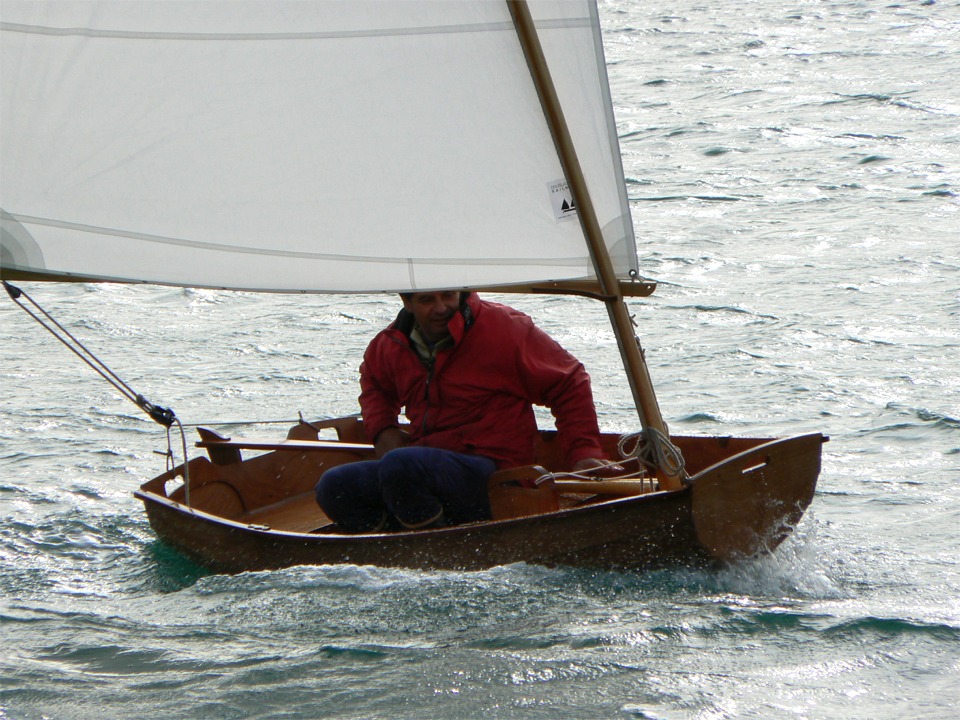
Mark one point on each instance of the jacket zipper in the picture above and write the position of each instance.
(426, 394)
(430, 366)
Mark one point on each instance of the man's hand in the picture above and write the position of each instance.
(389, 439)
(598, 468)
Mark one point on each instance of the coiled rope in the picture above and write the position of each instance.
(650, 448)
(654, 451)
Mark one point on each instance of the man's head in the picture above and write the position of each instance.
(432, 311)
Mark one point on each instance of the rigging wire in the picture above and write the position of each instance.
(228, 423)
(161, 415)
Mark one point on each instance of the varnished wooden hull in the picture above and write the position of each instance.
(621, 534)
(739, 505)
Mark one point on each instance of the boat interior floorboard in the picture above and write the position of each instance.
(299, 513)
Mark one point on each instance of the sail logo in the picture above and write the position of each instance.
(564, 207)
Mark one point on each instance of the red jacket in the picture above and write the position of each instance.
(477, 398)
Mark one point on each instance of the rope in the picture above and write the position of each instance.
(650, 448)
(654, 451)
(315, 424)
(161, 415)
(590, 474)
(230, 423)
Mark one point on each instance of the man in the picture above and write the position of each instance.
(467, 373)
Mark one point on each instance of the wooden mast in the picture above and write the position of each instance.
(639, 377)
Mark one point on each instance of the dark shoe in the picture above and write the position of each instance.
(437, 521)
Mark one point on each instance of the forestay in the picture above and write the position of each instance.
(300, 146)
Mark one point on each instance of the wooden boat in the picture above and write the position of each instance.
(339, 147)
(743, 498)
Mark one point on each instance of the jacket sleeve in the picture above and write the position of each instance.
(557, 380)
(379, 404)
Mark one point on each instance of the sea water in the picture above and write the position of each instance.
(794, 177)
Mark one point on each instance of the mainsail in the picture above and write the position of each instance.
(301, 146)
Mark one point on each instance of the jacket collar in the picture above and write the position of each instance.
(459, 324)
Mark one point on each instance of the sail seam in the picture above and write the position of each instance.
(556, 24)
(572, 261)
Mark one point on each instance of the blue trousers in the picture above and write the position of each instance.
(416, 485)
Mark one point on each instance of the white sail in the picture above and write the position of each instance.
(299, 146)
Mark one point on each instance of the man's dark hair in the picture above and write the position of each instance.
(409, 295)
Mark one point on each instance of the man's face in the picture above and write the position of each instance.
(433, 311)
